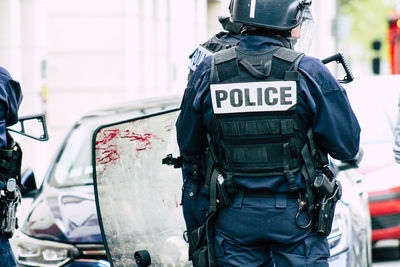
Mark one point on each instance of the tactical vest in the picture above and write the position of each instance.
(211, 46)
(254, 99)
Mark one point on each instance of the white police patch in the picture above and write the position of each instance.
(253, 97)
(198, 57)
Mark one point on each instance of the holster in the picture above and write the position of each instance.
(10, 198)
(328, 191)
(224, 187)
(202, 240)
(225, 191)
(326, 212)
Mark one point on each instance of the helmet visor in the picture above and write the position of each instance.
(307, 30)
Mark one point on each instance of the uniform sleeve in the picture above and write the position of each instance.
(10, 100)
(191, 133)
(335, 126)
(396, 148)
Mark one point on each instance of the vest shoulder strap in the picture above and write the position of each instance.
(215, 44)
(224, 65)
(285, 63)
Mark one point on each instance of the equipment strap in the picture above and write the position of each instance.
(282, 64)
(6, 153)
(287, 55)
(253, 126)
(213, 193)
(309, 154)
(253, 71)
(211, 166)
(286, 170)
(308, 172)
(226, 64)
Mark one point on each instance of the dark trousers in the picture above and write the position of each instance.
(194, 209)
(7, 258)
(261, 231)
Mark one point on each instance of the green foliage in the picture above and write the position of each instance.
(369, 20)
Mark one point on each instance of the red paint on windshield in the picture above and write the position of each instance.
(109, 154)
(107, 136)
(143, 139)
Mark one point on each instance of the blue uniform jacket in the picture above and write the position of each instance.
(322, 105)
(10, 99)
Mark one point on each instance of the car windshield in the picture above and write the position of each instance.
(73, 166)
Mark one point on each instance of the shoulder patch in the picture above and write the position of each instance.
(198, 56)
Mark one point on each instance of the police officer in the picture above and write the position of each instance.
(195, 196)
(396, 148)
(10, 97)
(227, 38)
(264, 110)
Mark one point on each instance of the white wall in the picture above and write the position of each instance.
(216, 8)
(96, 52)
(10, 36)
(324, 13)
(23, 43)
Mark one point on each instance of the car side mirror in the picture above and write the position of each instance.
(29, 188)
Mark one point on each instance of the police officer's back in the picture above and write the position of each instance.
(268, 116)
(225, 39)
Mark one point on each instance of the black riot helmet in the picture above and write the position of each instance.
(273, 15)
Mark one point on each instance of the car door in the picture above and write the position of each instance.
(138, 198)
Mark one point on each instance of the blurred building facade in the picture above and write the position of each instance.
(73, 55)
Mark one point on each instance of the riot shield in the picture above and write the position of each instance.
(137, 197)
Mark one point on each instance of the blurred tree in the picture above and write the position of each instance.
(369, 19)
(369, 22)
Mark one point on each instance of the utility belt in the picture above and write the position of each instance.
(262, 193)
(326, 191)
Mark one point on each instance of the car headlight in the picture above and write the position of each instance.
(339, 237)
(35, 252)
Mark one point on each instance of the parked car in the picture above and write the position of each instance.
(374, 100)
(352, 222)
(79, 217)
